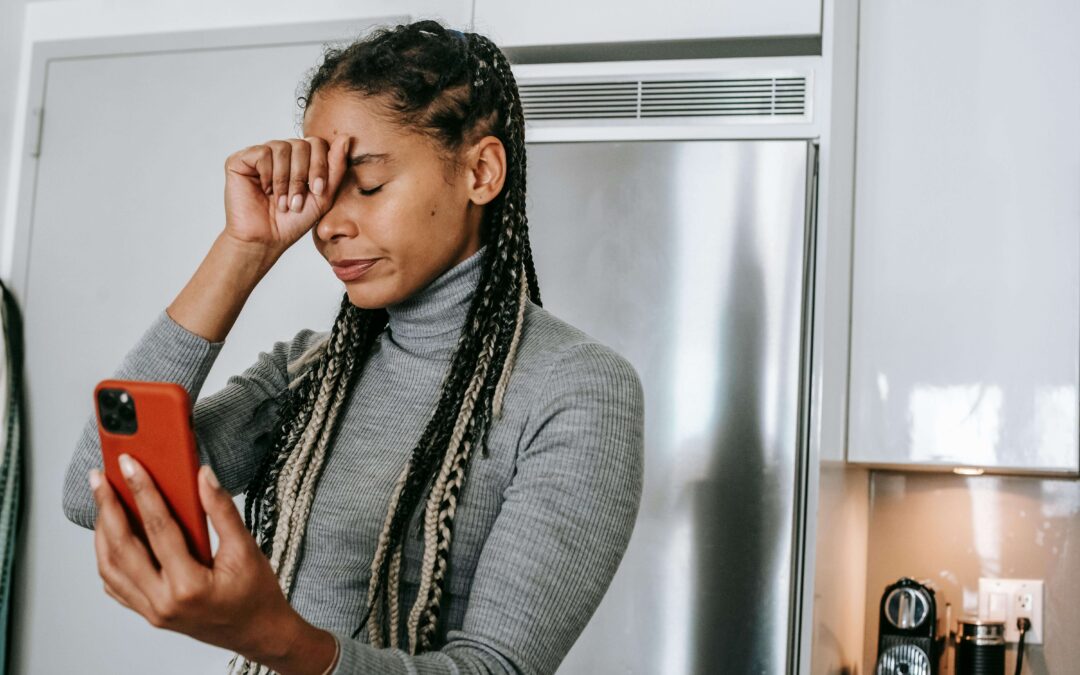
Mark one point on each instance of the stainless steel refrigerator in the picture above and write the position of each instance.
(691, 258)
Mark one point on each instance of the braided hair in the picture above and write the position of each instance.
(456, 87)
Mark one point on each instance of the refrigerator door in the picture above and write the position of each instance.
(688, 258)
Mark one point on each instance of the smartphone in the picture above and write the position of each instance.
(152, 422)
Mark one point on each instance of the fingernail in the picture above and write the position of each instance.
(317, 186)
(95, 479)
(212, 478)
(297, 202)
(127, 467)
(282, 203)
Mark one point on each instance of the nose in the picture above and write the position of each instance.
(335, 224)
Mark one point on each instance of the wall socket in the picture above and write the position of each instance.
(1009, 599)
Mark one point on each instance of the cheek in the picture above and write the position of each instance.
(412, 217)
(422, 212)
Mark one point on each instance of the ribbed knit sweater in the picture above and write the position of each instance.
(541, 524)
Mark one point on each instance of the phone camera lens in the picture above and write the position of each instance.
(117, 408)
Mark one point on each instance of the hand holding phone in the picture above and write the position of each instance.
(151, 421)
(236, 603)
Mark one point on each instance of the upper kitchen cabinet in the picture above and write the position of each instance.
(512, 23)
(965, 337)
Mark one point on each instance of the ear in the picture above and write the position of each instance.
(486, 170)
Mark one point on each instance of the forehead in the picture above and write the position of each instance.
(363, 118)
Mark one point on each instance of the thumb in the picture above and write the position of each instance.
(219, 506)
(337, 166)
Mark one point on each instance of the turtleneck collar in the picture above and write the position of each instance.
(431, 319)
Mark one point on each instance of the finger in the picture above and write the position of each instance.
(336, 164)
(162, 531)
(222, 512)
(123, 561)
(317, 169)
(298, 174)
(115, 527)
(122, 589)
(281, 152)
(116, 596)
(254, 161)
(125, 592)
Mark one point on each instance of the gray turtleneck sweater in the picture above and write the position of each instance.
(542, 521)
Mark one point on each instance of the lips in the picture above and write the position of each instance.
(347, 270)
(352, 262)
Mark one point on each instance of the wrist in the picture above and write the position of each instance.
(246, 256)
(298, 648)
(210, 302)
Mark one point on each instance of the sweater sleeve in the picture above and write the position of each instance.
(563, 528)
(227, 423)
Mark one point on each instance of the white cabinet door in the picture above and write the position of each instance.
(513, 23)
(966, 288)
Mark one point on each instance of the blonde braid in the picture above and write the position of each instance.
(392, 591)
(451, 488)
(333, 371)
(504, 377)
(448, 508)
(431, 532)
(374, 634)
(288, 481)
(297, 369)
(298, 526)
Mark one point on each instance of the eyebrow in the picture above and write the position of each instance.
(370, 157)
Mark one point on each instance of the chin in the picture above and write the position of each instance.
(365, 300)
(370, 296)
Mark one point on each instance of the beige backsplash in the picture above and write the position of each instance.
(950, 530)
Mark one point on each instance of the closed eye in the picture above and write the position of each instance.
(368, 193)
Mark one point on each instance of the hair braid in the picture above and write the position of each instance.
(293, 418)
(280, 495)
(507, 317)
(498, 299)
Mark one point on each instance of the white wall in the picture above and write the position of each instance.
(837, 504)
(11, 43)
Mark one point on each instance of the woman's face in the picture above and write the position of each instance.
(396, 202)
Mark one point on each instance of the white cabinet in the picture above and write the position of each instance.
(512, 23)
(966, 282)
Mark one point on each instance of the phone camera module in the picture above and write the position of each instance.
(117, 411)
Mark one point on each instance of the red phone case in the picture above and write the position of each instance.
(164, 443)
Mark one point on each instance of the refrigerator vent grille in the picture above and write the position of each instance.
(639, 99)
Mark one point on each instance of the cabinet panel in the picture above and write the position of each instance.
(517, 22)
(966, 286)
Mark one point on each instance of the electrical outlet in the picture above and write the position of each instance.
(1010, 599)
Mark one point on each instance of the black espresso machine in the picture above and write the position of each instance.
(908, 640)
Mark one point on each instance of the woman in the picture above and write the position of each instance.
(413, 554)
